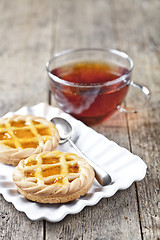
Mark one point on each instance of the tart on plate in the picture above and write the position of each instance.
(53, 177)
(23, 135)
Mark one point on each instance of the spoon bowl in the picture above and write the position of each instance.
(64, 128)
(65, 132)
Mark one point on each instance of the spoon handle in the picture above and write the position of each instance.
(101, 175)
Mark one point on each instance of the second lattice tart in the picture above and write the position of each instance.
(23, 135)
(53, 177)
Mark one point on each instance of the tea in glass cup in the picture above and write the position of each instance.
(90, 84)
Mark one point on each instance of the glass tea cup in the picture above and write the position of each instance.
(91, 84)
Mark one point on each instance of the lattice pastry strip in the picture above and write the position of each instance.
(53, 177)
(21, 136)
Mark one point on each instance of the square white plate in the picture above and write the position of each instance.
(123, 166)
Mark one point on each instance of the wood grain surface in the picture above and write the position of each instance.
(32, 32)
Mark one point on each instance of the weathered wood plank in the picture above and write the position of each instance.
(144, 128)
(15, 225)
(25, 47)
(86, 24)
(109, 219)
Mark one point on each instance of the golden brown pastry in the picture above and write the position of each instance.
(53, 177)
(23, 135)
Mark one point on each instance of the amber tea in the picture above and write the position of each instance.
(95, 102)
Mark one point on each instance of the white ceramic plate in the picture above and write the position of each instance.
(123, 166)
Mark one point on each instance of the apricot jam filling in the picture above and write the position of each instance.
(10, 144)
(24, 134)
(35, 122)
(5, 136)
(29, 173)
(2, 125)
(32, 144)
(19, 123)
(73, 168)
(50, 160)
(51, 171)
(44, 131)
(30, 163)
(69, 158)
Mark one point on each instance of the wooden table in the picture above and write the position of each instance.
(30, 33)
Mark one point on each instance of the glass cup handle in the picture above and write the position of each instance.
(147, 95)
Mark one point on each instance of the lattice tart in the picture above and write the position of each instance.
(23, 135)
(53, 177)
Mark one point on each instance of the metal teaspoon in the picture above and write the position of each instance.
(65, 132)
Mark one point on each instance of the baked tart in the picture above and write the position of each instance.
(23, 135)
(53, 177)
